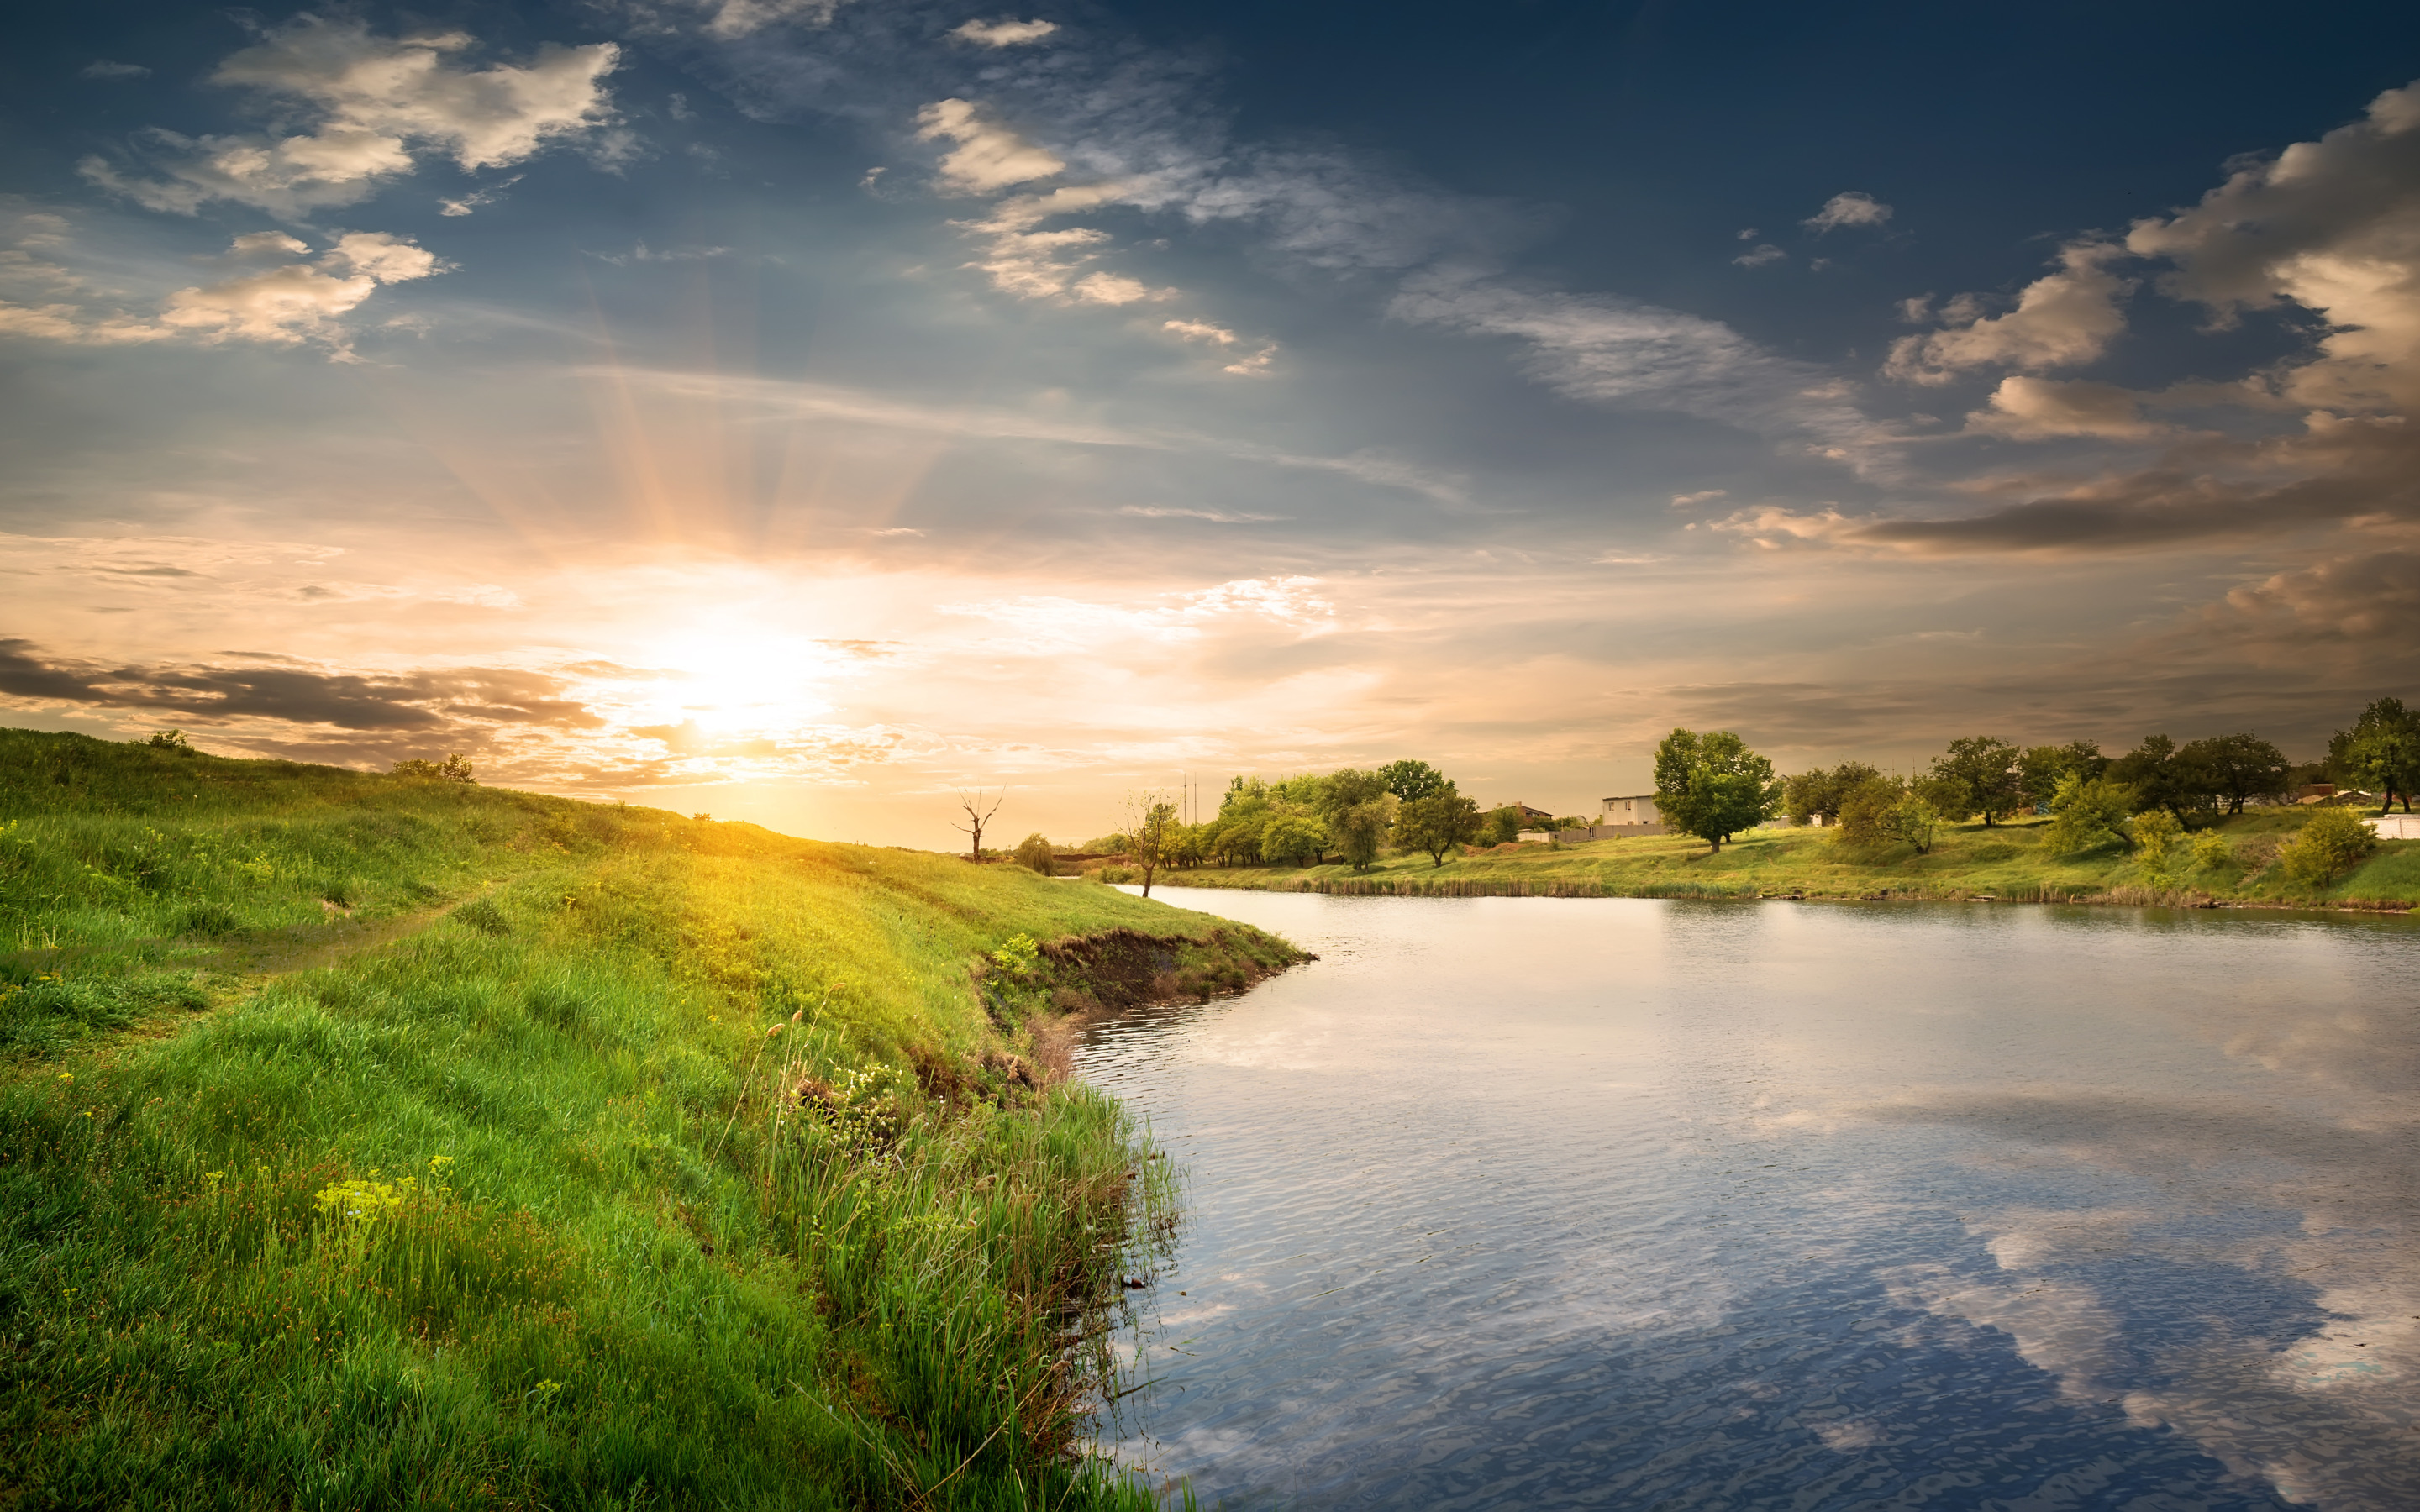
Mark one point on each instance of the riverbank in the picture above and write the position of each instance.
(2005, 862)
(369, 1140)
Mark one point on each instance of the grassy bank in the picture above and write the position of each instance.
(2007, 861)
(368, 1141)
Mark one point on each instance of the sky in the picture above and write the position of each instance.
(808, 410)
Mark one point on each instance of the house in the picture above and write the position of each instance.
(1630, 814)
(1528, 816)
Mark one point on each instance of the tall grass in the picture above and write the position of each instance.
(584, 1162)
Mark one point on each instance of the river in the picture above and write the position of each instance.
(1628, 1203)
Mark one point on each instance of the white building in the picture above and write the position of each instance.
(1632, 814)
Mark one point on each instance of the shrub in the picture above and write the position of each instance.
(1115, 874)
(2211, 853)
(169, 740)
(2090, 813)
(2331, 844)
(454, 768)
(2158, 839)
(482, 914)
(1033, 852)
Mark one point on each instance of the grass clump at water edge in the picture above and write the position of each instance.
(680, 1163)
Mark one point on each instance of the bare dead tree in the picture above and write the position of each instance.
(1153, 827)
(977, 816)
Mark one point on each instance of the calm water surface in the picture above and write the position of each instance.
(1516, 1203)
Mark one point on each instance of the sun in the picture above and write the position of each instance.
(734, 685)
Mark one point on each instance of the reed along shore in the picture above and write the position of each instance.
(371, 1140)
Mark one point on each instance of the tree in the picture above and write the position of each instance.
(1153, 831)
(1411, 780)
(2041, 768)
(2329, 843)
(977, 816)
(1977, 775)
(1438, 822)
(1713, 786)
(1292, 837)
(169, 740)
(2159, 843)
(2237, 767)
(1503, 824)
(1033, 852)
(1359, 831)
(2089, 812)
(2164, 776)
(2381, 752)
(1882, 810)
(1819, 794)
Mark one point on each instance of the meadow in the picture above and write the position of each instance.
(2007, 861)
(373, 1141)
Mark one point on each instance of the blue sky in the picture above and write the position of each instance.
(802, 409)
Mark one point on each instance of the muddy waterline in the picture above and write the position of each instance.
(1516, 1203)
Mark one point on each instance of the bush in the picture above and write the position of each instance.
(2331, 844)
(482, 914)
(454, 768)
(1115, 874)
(2158, 841)
(1033, 852)
(169, 740)
(2090, 813)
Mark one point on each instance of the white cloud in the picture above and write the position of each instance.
(1215, 516)
(2333, 225)
(1257, 365)
(1706, 496)
(1115, 288)
(988, 156)
(1004, 33)
(466, 204)
(2029, 409)
(378, 100)
(282, 306)
(102, 68)
(1760, 255)
(2066, 317)
(1854, 207)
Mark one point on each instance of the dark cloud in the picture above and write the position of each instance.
(420, 702)
(2340, 471)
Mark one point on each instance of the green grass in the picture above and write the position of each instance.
(2007, 861)
(381, 1142)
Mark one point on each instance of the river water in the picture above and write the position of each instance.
(1628, 1203)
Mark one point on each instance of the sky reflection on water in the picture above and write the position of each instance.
(1629, 1203)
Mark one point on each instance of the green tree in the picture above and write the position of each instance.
(1915, 820)
(1153, 829)
(2235, 768)
(2088, 812)
(1711, 785)
(169, 740)
(1360, 830)
(1866, 812)
(2041, 768)
(1411, 780)
(1503, 824)
(1438, 822)
(2329, 843)
(1298, 837)
(1820, 793)
(2380, 752)
(1034, 853)
(1977, 775)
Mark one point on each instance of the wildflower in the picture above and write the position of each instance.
(67, 1076)
(775, 1030)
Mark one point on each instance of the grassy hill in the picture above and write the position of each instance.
(371, 1141)
(2005, 861)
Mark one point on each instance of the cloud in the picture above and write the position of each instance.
(2369, 597)
(987, 156)
(2067, 317)
(1116, 288)
(480, 199)
(290, 693)
(2028, 409)
(1641, 356)
(1854, 207)
(1252, 365)
(378, 101)
(1004, 33)
(1706, 496)
(729, 20)
(286, 305)
(2332, 225)
(1215, 515)
(1761, 256)
(103, 69)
